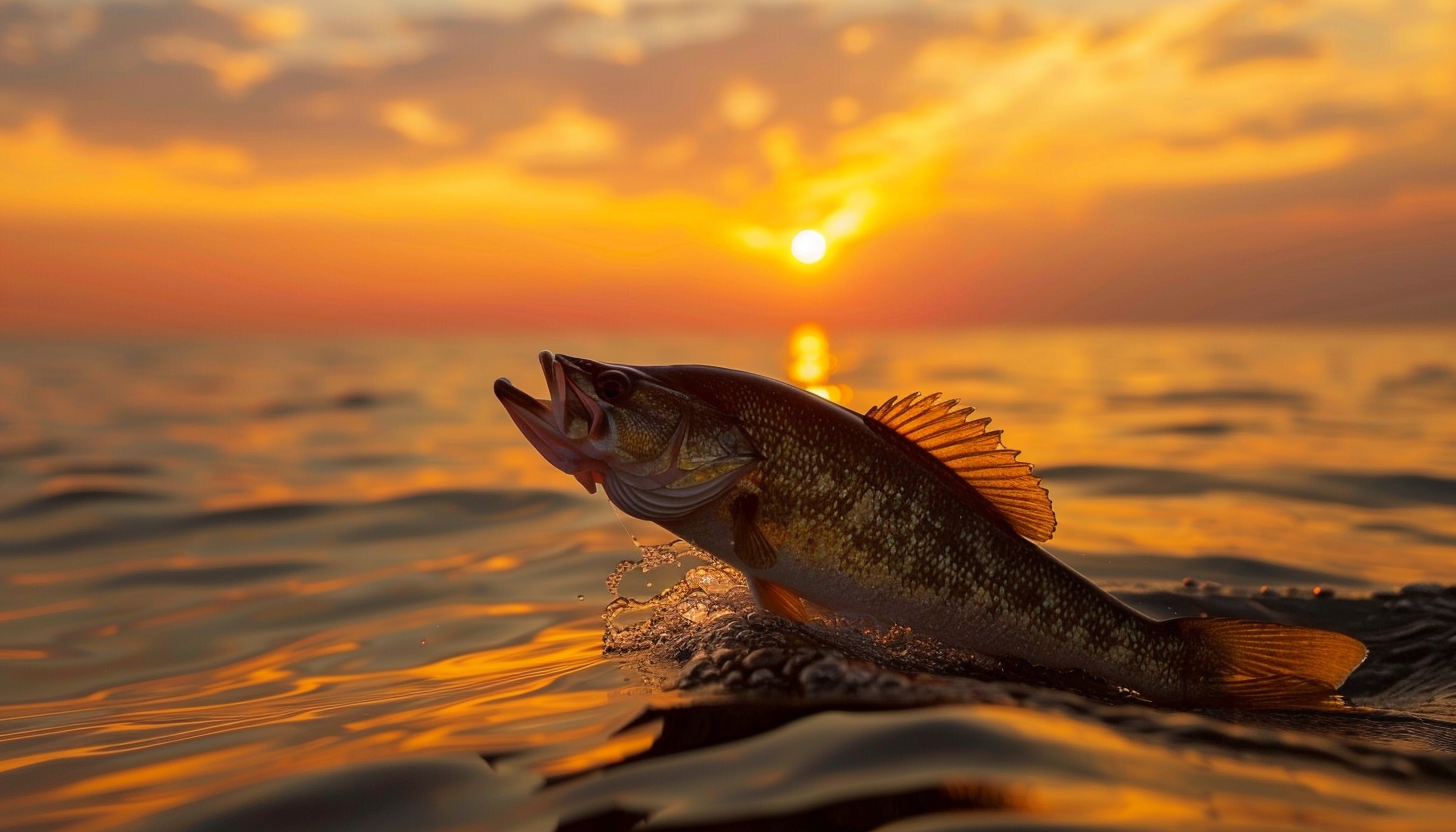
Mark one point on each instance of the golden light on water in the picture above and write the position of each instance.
(811, 362)
(809, 246)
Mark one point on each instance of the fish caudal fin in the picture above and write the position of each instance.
(1259, 664)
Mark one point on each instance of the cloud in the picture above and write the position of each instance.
(1320, 116)
(702, 74)
(1225, 49)
(779, 116)
(274, 23)
(565, 138)
(417, 121)
(1252, 31)
(233, 70)
(1426, 164)
(628, 38)
(131, 74)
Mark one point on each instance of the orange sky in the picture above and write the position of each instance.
(186, 166)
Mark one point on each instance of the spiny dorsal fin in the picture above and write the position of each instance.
(976, 455)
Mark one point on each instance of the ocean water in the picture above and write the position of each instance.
(325, 584)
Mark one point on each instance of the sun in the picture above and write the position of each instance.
(808, 246)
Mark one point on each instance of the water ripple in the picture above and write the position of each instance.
(1364, 490)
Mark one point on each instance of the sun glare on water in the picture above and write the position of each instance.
(808, 246)
(811, 362)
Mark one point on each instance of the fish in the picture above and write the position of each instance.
(913, 514)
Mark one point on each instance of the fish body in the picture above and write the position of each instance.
(912, 514)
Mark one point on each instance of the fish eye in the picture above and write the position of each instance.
(613, 385)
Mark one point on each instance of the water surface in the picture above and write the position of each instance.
(327, 583)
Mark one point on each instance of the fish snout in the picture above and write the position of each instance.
(536, 419)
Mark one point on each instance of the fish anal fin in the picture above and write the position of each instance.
(749, 544)
(779, 600)
(975, 455)
(1275, 692)
(1261, 664)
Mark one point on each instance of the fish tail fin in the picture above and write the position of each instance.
(1260, 664)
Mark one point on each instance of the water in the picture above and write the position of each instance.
(325, 584)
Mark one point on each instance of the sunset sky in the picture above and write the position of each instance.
(472, 165)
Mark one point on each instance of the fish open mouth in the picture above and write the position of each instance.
(544, 422)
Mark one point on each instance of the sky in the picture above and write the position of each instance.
(203, 166)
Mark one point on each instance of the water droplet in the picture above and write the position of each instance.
(581, 597)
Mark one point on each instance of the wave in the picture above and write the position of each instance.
(63, 500)
(1361, 490)
(1224, 569)
(780, 765)
(348, 461)
(347, 401)
(433, 512)
(1216, 397)
(104, 469)
(1191, 429)
(30, 450)
(205, 576)
(1433, 382)
(1413, 533)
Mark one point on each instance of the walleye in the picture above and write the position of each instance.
(913, 514)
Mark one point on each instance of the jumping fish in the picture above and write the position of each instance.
(912, 514)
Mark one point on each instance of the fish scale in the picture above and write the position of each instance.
(923, 543)
(910, 515)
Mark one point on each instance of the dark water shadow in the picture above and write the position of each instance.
(1217, 397)
(353, 461)
(1412, 533)
(436, 512)
(104, 469)
(30, 450)
(352, 400)
(1229, 570)
(204, 576)
(369, 797)
(1358, 490)
(1435, 383)
(440, 512)
(1194, 429)
(64, 500)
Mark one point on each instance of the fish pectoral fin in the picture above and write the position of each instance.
(779, 600)
(748, 541)
(974, 454)
(1267, 665)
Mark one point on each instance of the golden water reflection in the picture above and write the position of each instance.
(811, 363)
(281, 580)
(551, 689)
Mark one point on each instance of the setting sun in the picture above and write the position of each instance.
(808, 246)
